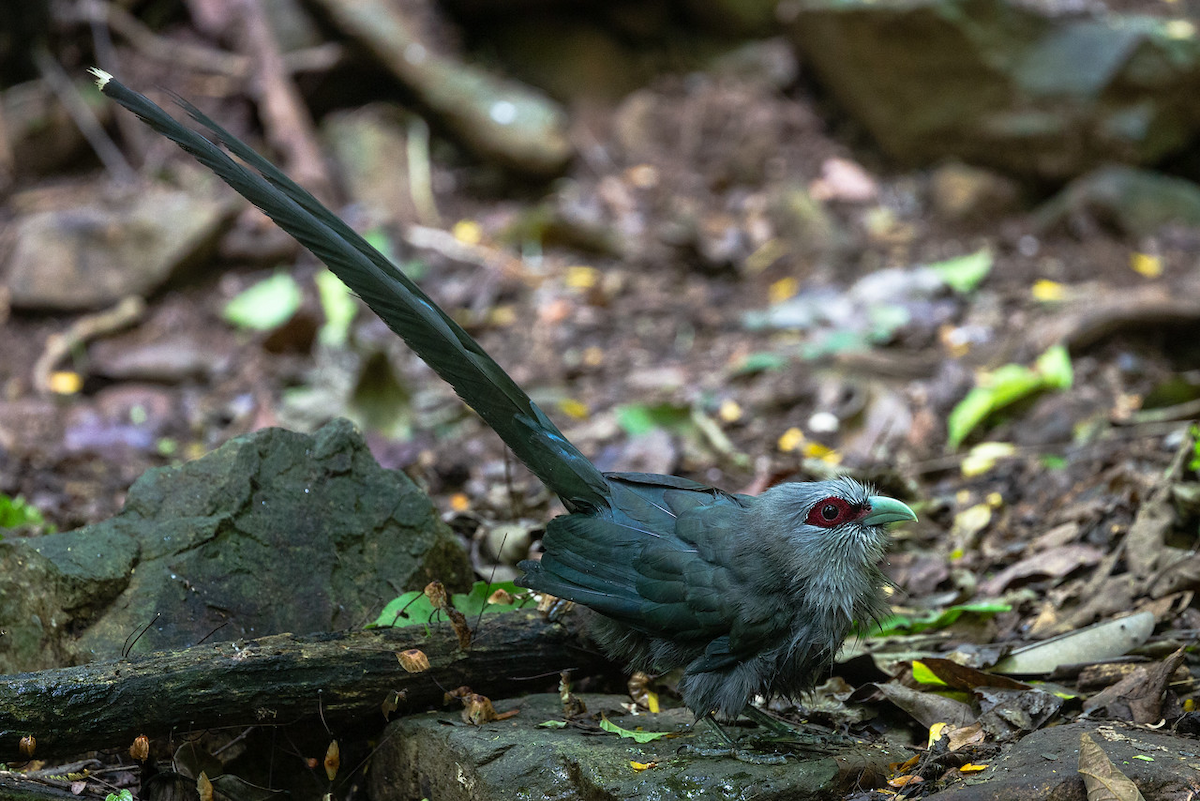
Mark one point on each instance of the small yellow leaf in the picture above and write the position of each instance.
(459, 502)
(1048, 291)
(971, 767)
(1146, 264)
(65, 382)
(790, 440)
(468, 232)
(767, 254)
(582, 277)
(815, 450)
(783, 289)
(652, 701)
(503, 316)
(983, 457)
(576, 410)
(730, 411)
(641, 765)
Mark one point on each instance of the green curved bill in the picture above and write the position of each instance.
(887, 510)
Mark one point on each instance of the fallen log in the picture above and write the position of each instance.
(344, 679)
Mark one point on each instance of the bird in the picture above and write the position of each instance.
(749, 595)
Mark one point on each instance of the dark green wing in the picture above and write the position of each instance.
(664, 561)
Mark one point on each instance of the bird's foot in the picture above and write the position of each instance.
(740, 754)
(732, 749)
(778, 731)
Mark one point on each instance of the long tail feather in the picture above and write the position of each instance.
(406, 309)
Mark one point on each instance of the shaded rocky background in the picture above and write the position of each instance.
(948, 246)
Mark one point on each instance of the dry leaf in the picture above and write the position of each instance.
(204, 787)
(333, 760)
(140, 749)
(1102, 779)
(413, 660)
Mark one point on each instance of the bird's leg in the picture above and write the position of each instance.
(731, 748)
(769, 722)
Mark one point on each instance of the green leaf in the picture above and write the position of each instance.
(1055, 367)
(924, 675)
(16, 512)
(414, 609)
(265, 305)
(410, 609)
(638, 736)
(885, 320)
(965, 273)
(759, 363)
(935, 619)
(970, 412)
(1006, 385)
(639, 418)
(337, 301)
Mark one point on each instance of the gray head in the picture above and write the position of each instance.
(828, 538)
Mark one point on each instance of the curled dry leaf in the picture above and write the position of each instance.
(640, 692)
(462, 629)
(457, 692)
(392, 702)
(140, 749)
(927, 708)
(572, 704)
(27, 745)
(501, 596)
(413, 660)
(478, 709)
(333, 760)
(204, 787)
(435, 591)
(1139, 696)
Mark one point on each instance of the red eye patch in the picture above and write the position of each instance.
(833, 511)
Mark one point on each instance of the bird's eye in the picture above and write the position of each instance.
(832, 512)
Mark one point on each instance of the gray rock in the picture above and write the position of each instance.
(1018, 86)
(273, 532)
(1135, 202)
(98, 252)
(436, 755)
(1043, 764)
